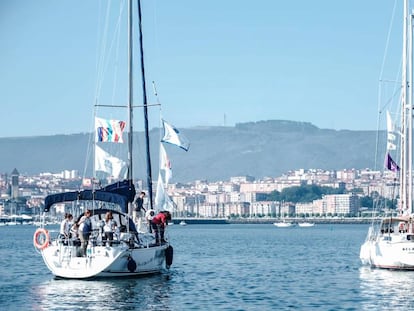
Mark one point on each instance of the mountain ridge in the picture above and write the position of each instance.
(260, 149)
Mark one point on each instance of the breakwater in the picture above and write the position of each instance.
(344, 220)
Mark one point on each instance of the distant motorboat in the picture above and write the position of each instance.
(282, 224)
(306, 224)
(183, 223)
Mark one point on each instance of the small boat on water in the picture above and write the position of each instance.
(306, 224)
(283, 224)
(183, 223)
(390, 242)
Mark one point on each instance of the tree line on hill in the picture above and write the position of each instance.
(309, 193)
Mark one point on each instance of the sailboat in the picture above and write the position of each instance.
(390, 243)
(283, 224)
(306, 224)
(130, 253)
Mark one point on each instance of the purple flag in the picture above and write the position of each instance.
(390, 164)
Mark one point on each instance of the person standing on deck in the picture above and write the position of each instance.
(65, 226)
(139, 207)
(84, 231)
(159, 222)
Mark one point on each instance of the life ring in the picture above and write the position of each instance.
(41, 238)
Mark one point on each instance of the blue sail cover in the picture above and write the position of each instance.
(119, 193)
(125, 188)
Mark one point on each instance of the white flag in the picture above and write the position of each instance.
(390, 126)
(107, 163)
(165, 164)
(173, 136)
(160, 194)
(162, 200)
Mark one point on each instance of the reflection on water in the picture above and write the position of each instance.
(105, 294)
(386, 289)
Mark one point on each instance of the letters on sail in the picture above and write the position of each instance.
(390, 133)
(173, 136)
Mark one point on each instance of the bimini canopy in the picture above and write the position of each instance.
(120, 193)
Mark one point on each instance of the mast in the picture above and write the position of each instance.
(410, 114)
(130, 97)
(145, 104)
(404, 130)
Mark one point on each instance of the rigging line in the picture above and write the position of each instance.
(118, 38)
(101, 37)
(396, 92)
(154, 88)
(100, 51)
(104, 61)
(380, 77)
(388, 38)
(123, 106)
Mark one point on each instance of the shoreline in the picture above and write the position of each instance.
(349, 220)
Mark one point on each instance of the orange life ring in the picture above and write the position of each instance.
(41, 238)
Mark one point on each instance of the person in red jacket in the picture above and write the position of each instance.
(158, 223)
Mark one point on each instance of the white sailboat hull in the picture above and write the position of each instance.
(389, 252)
(104, 261)
(306, 224)
(282, 224)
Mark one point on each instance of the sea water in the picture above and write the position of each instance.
(218, 267)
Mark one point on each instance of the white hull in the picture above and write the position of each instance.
(104, 261)
(390, 247)
(397, 254)
(282, 224)
(306, 224)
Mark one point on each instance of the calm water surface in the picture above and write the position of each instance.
(218, 267)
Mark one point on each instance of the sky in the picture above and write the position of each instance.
(214, 63)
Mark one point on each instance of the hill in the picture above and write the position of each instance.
(259, 149)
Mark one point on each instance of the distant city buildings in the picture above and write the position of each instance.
(241, 196)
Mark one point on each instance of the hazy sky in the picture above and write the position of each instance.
(215, 62)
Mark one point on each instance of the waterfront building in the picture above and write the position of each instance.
(342, 204)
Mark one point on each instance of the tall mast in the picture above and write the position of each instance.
(144, 94)
(131, 92)
(410, 113)
(404, 131)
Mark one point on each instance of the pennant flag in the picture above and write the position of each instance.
(390, 133)
(162, 200)
(390, 125)
(109, 130)
(390, 164)
(173, 136)
(107, 163)
(391, 146)
(165, 164)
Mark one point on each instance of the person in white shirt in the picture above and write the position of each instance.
(148, 216)
(65, 226)
(109, 227)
